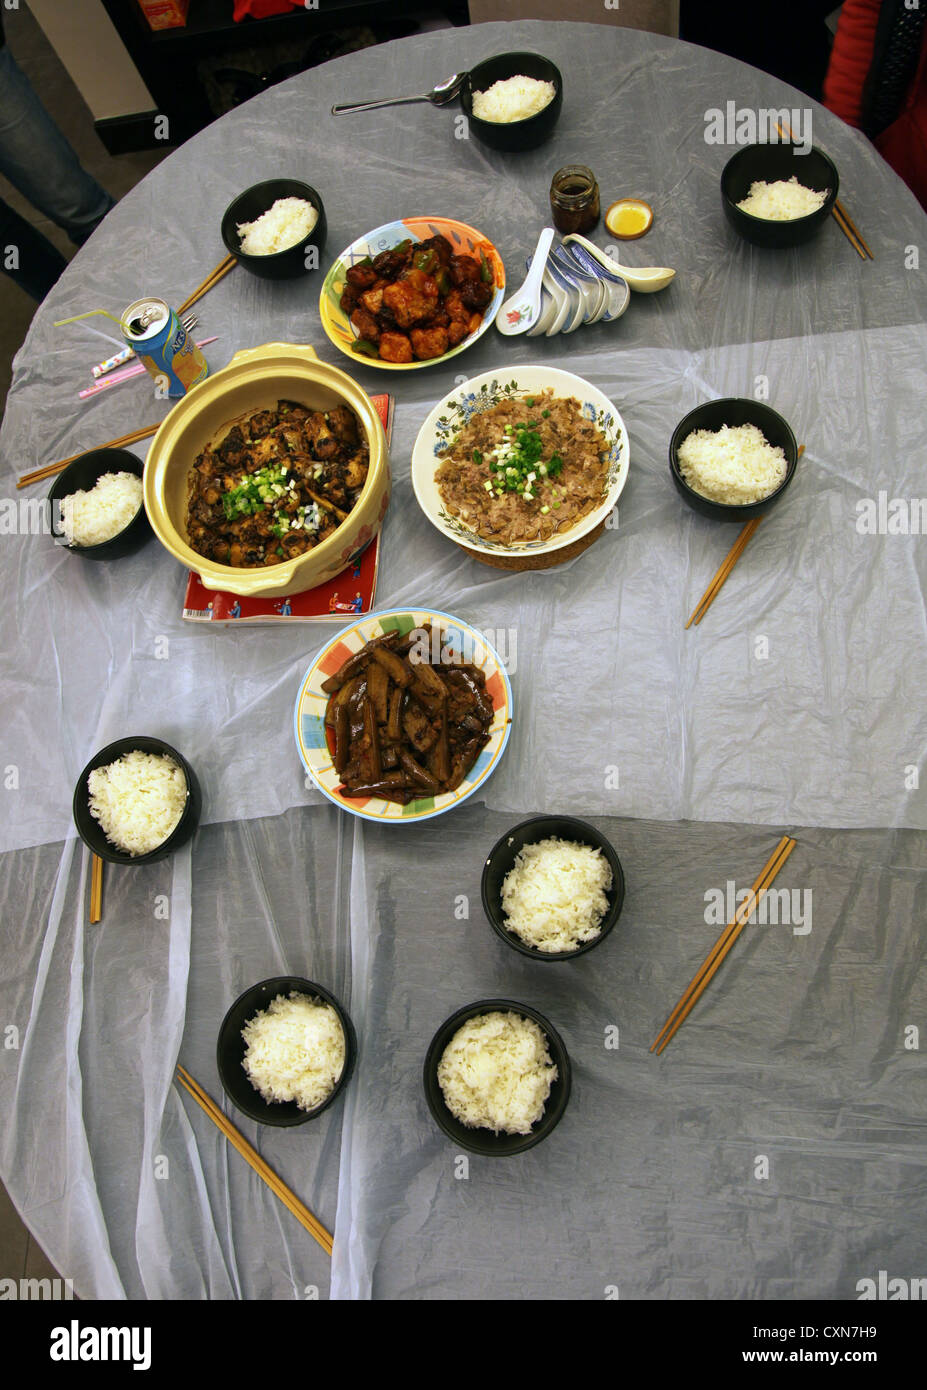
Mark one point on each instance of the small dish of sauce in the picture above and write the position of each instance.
(629, 218)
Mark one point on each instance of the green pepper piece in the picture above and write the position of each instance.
(365, 347)
(485, 269)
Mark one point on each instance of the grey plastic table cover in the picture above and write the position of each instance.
(777, 1148)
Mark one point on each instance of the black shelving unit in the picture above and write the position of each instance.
(167, 59)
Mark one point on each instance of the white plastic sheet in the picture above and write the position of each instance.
(774, 1150)
(797, 702)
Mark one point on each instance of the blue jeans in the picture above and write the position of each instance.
(26, 256)
(39, 162)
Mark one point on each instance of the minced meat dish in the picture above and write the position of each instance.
(279, 483)
(525, 470)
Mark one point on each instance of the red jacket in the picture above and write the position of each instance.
(877, 42)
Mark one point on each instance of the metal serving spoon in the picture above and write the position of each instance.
(522, 309)
(442, 95)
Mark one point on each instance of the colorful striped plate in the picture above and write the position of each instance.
(465, 240)
(457, 638)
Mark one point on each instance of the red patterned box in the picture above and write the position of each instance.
(165, 14)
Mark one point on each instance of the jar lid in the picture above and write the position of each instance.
(577, 174)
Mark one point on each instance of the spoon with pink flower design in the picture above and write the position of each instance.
(521, 310)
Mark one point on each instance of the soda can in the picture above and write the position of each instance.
(159, 340)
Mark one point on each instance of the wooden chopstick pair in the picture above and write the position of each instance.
(850, 230)
(213, 278)
(843, 219)
(727, 564)
(122, 442)
(723, 945)
(96, 889)
(252, 1157)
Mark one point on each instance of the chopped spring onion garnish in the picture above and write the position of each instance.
(265, 490)
(515, 463)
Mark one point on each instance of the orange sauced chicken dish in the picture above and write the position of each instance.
(417, 301)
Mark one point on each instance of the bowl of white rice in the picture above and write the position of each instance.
(95, 505)
(136, 801)
(732, 459)
(276, 229)
(497, 1077)
(779, 195)
(286, 1050)
(513, 101)
(552, 888)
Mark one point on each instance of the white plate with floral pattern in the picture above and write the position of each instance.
(479, 394)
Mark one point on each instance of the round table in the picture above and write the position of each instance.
(776, 1148)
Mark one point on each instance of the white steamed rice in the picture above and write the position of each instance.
(735, 466)
(496, 1073)
(138, 800)
(554, 896)
(515, 99)
(782, 201)
(295, 1050)
(283, 225)
(90, 518)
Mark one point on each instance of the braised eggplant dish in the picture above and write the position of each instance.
(417, 301)
(279, 482)
(403, 725)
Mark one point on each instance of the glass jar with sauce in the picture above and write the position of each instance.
(574, 199)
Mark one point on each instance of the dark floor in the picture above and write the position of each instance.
(35, 56)
(20, 1256)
